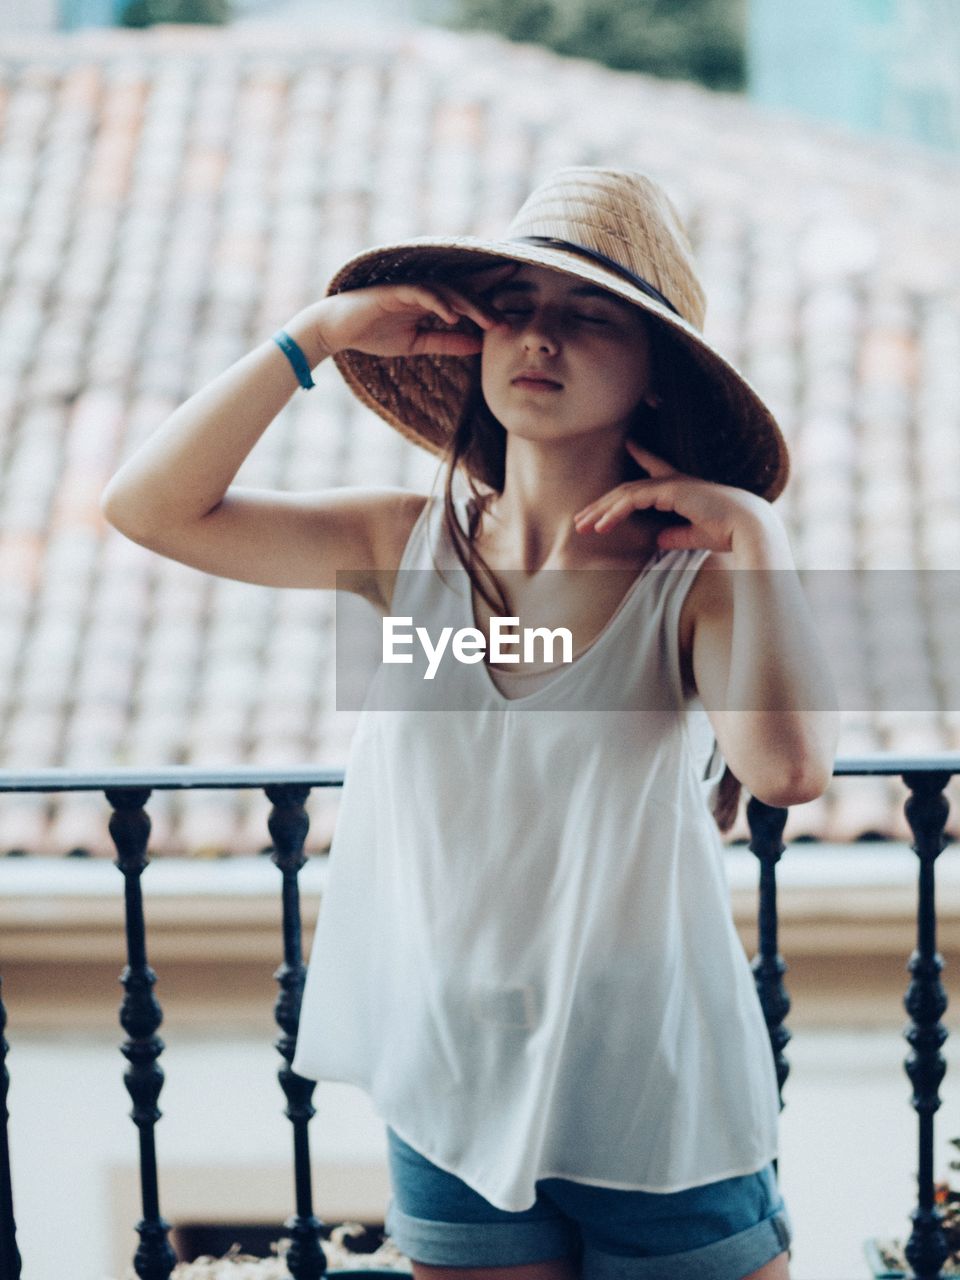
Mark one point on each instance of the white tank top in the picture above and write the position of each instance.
(526, 953)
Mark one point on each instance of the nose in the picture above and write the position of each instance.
(539, 334)
(536, 338)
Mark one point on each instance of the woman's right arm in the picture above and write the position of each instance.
(174, 495)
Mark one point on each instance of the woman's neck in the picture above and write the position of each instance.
(530, 524)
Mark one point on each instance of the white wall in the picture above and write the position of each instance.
(224, 1146)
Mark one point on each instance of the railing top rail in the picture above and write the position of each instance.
(890, 764)
(173, 778)
(234, 778)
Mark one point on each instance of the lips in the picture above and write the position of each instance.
(534, 379)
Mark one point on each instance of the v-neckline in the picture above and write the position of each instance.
(566, 670)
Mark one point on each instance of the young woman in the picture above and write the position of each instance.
(526, 952)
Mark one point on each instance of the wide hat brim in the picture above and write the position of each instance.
(423, 396)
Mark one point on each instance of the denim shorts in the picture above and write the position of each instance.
(719, 1231)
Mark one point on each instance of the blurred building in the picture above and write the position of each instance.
(72, 15)
(888, 66)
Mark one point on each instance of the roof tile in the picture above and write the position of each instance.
(168, 198)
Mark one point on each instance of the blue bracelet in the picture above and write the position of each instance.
(296, 357)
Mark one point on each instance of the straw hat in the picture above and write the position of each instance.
(607, 227)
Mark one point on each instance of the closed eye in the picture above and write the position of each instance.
(580, 317)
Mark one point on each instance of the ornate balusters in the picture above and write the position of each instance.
(289, 823)
(140, 1016)
(9, 1254)
(766, 843)
(926, 1001)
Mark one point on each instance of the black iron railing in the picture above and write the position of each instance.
(128, 793)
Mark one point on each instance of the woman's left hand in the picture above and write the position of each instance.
(720, 517)
(755, 657)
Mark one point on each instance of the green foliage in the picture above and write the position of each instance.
(700, 40)
(144, 13)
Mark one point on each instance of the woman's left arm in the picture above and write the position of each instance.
(754, 653)
(760, 671)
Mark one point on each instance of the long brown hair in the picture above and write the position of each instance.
(478, 447)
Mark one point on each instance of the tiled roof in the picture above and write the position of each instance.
(168, 198)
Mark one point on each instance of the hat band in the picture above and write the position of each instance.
(643, 285)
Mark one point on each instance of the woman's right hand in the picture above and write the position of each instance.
(176, 493)
(402, 320)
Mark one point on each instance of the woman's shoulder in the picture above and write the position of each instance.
(710, 592)
(393, 514)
